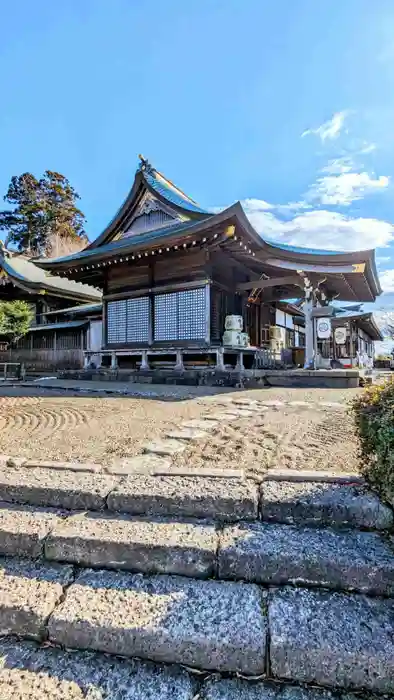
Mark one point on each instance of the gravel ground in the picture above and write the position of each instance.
(286, 437)
(64, 425)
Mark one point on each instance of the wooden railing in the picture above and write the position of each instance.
(266, 358)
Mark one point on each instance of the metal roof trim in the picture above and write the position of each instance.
(58, 326)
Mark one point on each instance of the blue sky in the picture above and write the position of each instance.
(287, 106)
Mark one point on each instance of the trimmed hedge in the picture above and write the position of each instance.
(373, 411)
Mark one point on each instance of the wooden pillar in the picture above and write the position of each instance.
(104, 327)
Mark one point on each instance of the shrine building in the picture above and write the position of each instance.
(172, 272)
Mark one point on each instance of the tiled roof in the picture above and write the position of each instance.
(24, 270)
(300, 249)
(166, 189)
(137, 240)
(342, 314)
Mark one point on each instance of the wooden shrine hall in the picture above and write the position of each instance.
(172, 272)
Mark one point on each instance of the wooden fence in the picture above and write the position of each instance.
(44, 360)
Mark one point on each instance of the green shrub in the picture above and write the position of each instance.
(15, 319)
(374, 415)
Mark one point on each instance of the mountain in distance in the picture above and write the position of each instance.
(385, 320)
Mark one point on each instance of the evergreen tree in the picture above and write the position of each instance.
(63, 219)
(24, 224)
(45, 217)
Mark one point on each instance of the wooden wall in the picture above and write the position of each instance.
(166, 269)
(45, 360)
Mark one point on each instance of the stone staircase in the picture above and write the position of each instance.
(209, 587)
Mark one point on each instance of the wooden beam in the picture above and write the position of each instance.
(238, 264)
(272, 282)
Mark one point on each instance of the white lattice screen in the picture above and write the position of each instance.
(128, 321)
(177, 316)
(181, 315)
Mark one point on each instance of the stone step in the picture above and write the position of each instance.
(259, 552)
(29, 592)
(324, 475)
(332, 639)
(136, 544)
(23, 529)
(55, 488)
(316, 503)
(242, 689)
(29, 672)
(209, 497)
(184, 496)
(283, 554)
(209, 625)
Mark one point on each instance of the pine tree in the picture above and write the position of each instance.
(63, 220)
(45, 218)
(25, 223)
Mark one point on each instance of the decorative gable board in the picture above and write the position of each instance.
(150, 214)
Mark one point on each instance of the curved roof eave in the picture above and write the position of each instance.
(360, 316)
(235, 211)
(188, 228)
(52, 285)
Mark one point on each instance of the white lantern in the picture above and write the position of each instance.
(323, 327)
(340, 336)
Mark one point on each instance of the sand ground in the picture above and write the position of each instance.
(58, 425)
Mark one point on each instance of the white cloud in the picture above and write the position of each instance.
(338, 166)
(320, 229)
(344, 188)
(367, 148)
(381, 259)
(258, 205)
(387, 281)
(331, 129)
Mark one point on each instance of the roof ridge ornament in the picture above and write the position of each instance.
(145, 166)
